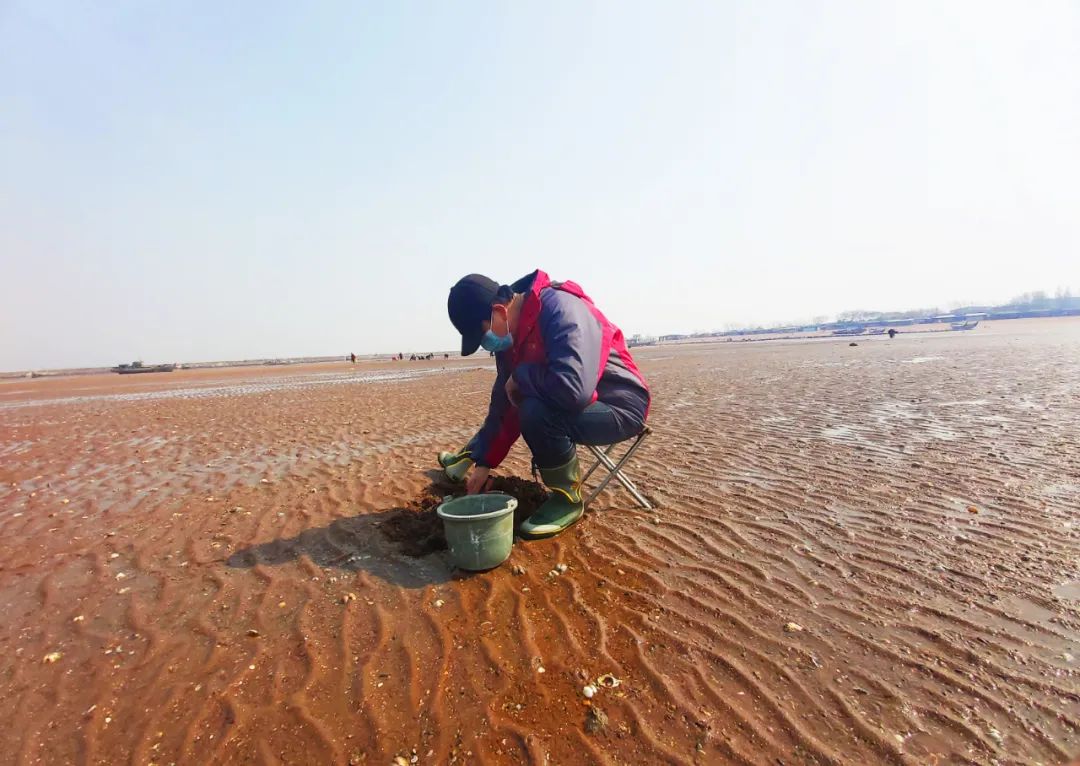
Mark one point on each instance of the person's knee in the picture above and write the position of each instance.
(533, 414)
(544, 429)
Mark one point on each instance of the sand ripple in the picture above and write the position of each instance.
(858, 559)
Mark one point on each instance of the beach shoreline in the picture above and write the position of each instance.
(861, 555)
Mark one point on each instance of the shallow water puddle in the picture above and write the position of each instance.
(1069, 591)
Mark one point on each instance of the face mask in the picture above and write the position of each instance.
(496, 343)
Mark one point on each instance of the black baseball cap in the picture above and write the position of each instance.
(469, 307)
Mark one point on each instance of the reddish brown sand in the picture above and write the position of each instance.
(863, 555)
(417, 528)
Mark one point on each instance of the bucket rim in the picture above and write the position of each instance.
(510, 507)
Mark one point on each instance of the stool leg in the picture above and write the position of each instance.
(615, 472)
(596, 451)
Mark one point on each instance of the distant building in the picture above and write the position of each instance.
(640, 340)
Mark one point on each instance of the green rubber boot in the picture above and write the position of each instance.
(455, 464)
(564, 505)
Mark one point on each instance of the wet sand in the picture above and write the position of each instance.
(862, 555)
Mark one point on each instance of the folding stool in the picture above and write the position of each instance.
(615, 470)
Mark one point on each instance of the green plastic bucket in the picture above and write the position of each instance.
(479, 529)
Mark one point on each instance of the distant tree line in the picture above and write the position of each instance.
(861, 315)
(1039, 299)
(1032, 301)
(1036, 301)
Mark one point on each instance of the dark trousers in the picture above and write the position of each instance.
(551, 433)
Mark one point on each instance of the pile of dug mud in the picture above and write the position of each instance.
(418, 530)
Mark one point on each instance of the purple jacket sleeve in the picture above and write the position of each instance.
(500, 429)
(573, 342)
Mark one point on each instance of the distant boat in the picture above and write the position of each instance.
(964, 325)
(850, 331)
(136, 367)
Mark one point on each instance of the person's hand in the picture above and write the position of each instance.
(513, 393)
(477, 481)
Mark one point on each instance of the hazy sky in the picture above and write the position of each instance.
(194, 181)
